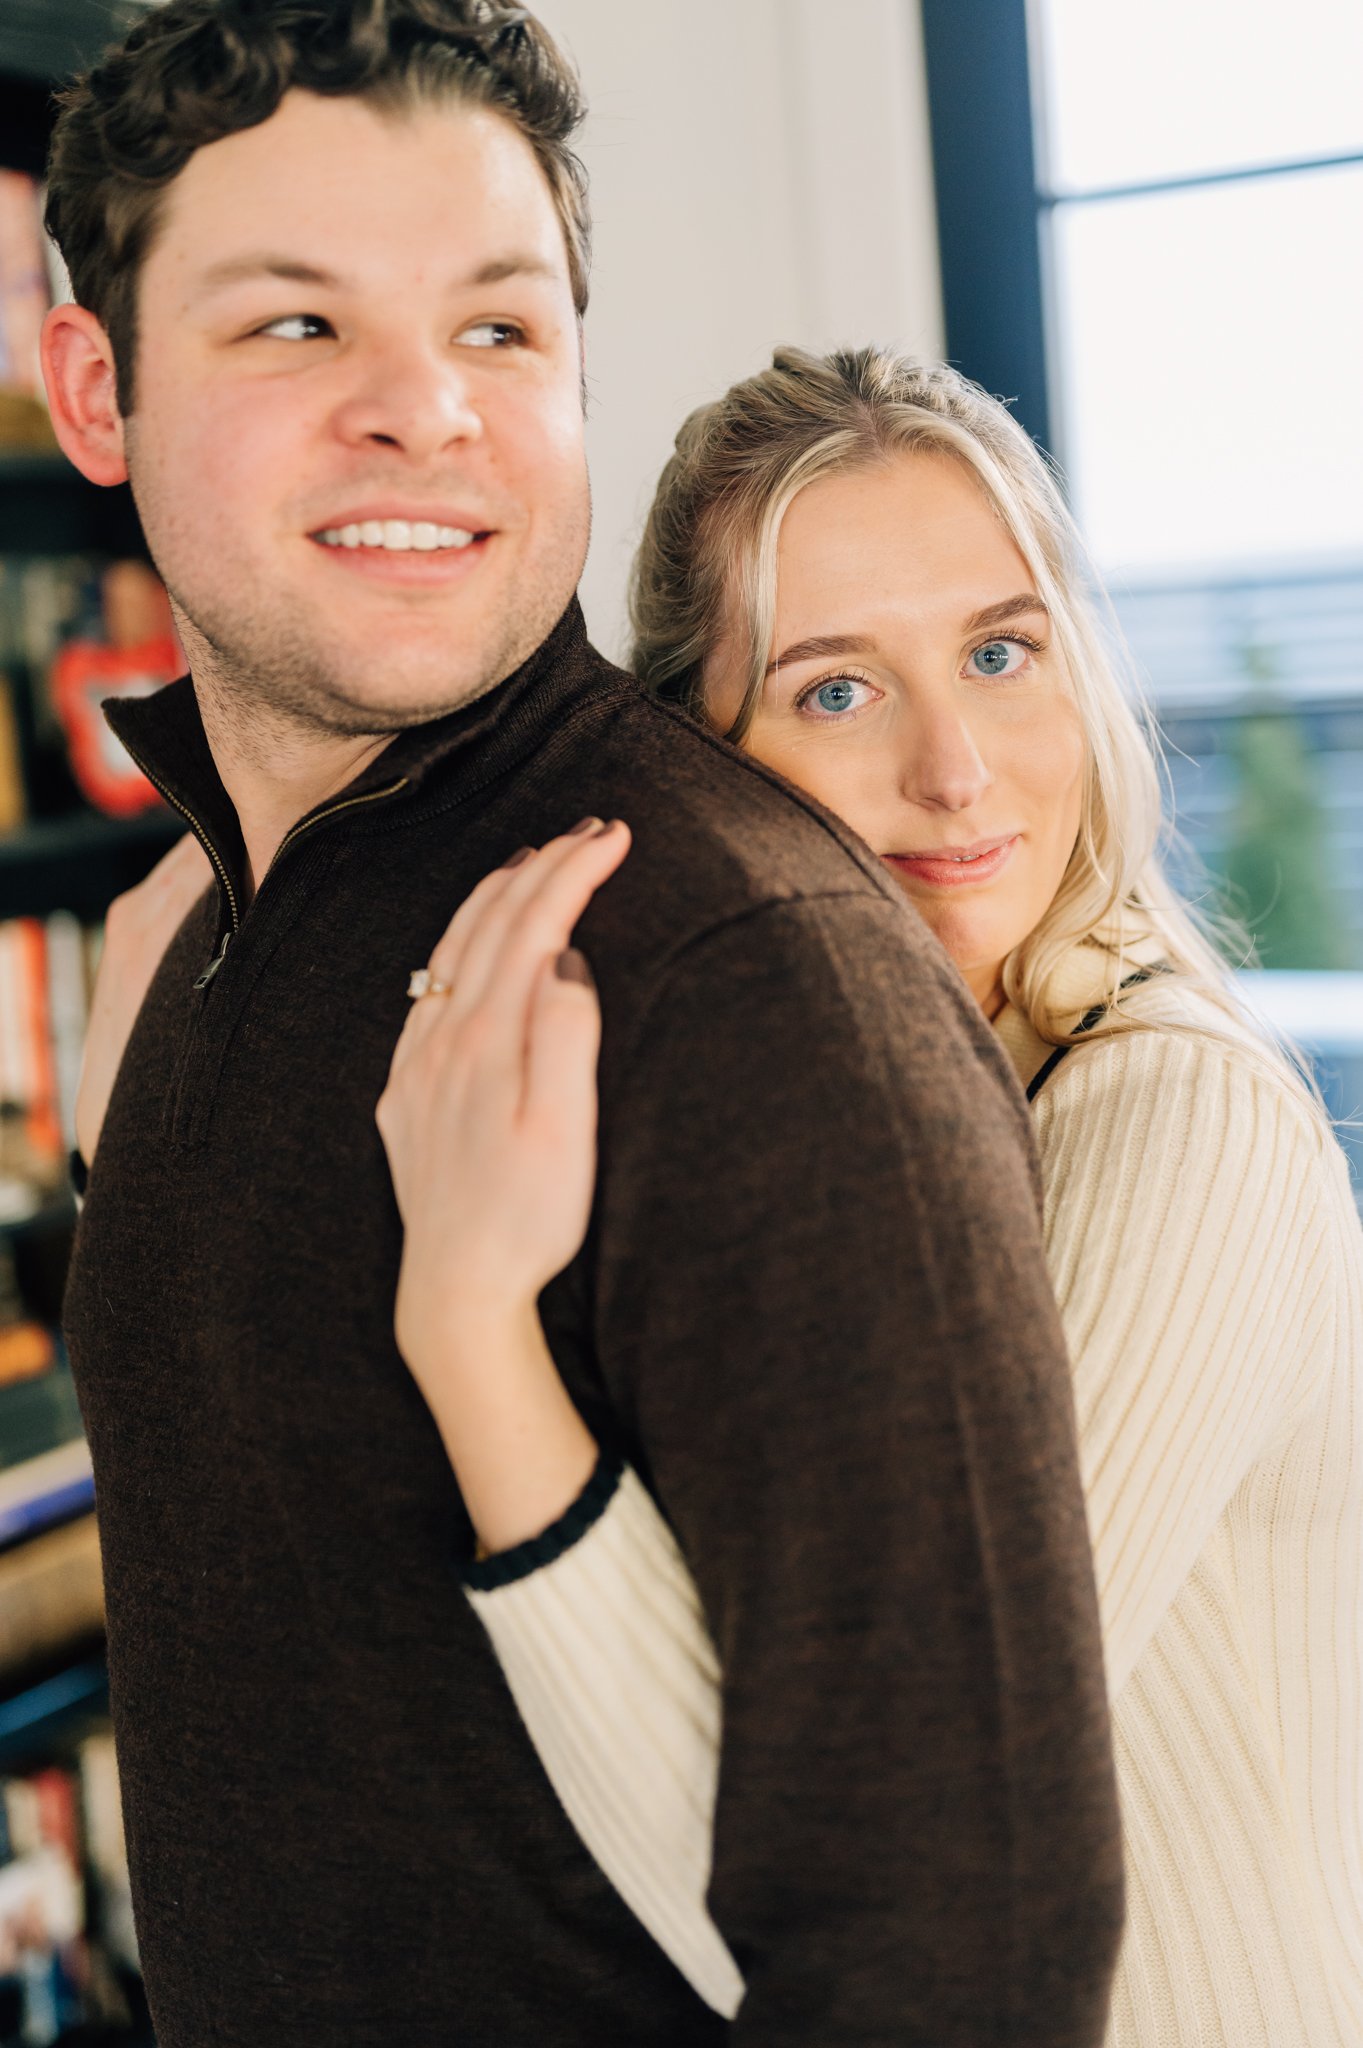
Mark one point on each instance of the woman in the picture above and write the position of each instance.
(860, 571)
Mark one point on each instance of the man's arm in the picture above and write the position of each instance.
(823, 1309)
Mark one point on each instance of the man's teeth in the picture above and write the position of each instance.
(397, 534)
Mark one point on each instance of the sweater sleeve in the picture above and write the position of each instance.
(1195, 1227)
(824, 1315)
(608, 1658)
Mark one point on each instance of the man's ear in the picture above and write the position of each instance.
(78, 370)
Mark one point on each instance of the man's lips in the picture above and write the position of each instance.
(955, 867)
(412, 567)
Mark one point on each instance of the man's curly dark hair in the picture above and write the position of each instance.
(193, 71)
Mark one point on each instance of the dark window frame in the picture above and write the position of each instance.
(994, 209)
(988, 222)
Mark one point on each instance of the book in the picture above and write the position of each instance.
(13, 801)
(48, 1487)
(106, 1849)
(51, 1599)
(135, 653)
(68, 1010)
(24, 283)
(44, 1954)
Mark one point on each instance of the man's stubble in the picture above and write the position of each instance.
(268, 669)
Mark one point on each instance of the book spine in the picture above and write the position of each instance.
(68, 1014)
(24, 284)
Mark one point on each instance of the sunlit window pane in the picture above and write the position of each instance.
(1139, 89)
(1210, 393)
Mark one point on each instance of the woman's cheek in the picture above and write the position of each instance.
(1048, 758)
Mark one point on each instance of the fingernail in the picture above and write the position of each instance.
(572, 966)
(523, 853)
(602, 830)
(586, 825)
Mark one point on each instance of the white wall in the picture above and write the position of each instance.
(760, 173)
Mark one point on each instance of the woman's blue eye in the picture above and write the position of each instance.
(836, 700)
(834, 697)
(999, 658)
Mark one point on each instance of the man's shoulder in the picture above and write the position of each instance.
(742, 893)
(715, 832)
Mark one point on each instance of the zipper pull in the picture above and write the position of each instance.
(215, 963)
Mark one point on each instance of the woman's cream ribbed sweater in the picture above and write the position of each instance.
(1208, 1261)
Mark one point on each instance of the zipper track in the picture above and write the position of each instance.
(373, 796)
(349, 803)
(219, 866)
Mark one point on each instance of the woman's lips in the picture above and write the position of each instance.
(945, 871)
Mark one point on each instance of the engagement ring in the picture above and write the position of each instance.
(423, 983)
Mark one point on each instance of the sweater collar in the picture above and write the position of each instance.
(1085, 976)
(165, 735)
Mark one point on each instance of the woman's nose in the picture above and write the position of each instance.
(944, 768)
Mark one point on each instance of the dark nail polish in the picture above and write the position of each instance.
(585, 825)
(572, 966)
(523, 853)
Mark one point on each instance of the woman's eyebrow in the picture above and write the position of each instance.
(818, 646)
(1009, 608)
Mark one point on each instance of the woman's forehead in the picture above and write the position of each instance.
(915, 536)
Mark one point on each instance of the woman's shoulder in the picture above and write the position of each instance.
(1196, 1097)
(1181, 1052)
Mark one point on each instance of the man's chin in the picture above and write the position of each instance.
(365, 708)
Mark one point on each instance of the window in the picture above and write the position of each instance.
(1151, 220)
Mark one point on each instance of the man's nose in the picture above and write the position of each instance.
(944, 768)
(413, 399)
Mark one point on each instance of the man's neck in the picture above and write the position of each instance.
(276, 770)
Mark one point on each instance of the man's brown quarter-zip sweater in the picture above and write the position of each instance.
(812, 1310)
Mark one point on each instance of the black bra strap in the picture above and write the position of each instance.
(1086, 1023)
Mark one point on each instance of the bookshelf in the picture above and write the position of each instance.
(48, 508)
(61, 862)
(79, 863)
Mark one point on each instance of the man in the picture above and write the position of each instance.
(329, 259)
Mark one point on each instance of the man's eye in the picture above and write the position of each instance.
(493, 334)
(297, 327)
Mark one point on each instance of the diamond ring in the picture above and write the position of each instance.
(422, 982)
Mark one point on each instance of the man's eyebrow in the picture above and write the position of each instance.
(819, 645)
(265, 263)
(1010, 608)
(515, 265)
(240, 269)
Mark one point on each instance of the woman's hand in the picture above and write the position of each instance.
(489, 1120)
(140, 926)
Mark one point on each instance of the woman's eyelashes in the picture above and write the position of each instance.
(835, 699)
(1010, 657)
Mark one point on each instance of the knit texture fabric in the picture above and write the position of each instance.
(338, 1829)
(1208, 1260)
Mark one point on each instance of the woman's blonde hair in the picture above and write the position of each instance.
(706, 570)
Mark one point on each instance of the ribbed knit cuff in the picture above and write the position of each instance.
(485, 1575)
